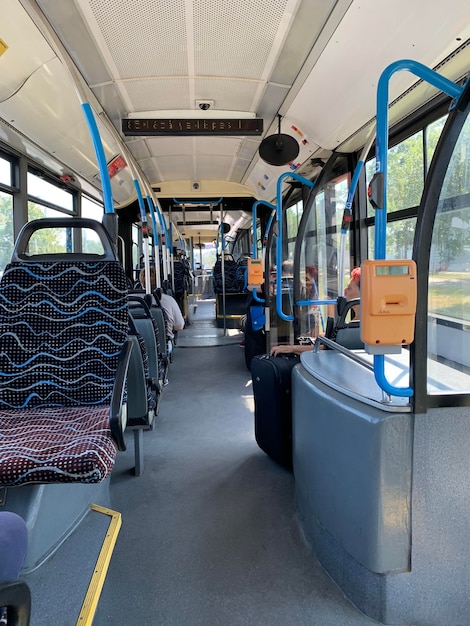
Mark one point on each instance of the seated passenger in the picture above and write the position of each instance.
(173, 315)
(351, 292)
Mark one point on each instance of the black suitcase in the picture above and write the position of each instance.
(271, 376)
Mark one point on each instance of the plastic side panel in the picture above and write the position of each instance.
(51, 512)
(352, 466)
(145, 328)
(136, 385)
(157, 315)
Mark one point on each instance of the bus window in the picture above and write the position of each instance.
(6, 229)
(40, 189)
(449, 268)
(58, 240)
(319, 255)
(5, 172)
(91, 209)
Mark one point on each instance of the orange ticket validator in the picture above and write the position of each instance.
(255, 272)
(388, 303)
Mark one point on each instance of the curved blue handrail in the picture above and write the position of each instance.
(379, 375)
(448, 87)
(100, 157)
(255, 296)
(268, 227)
(254, 219)
(435, 79)
(307, 183)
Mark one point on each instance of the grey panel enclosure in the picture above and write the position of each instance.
(352, 465)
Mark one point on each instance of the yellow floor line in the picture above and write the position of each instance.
(87, 612)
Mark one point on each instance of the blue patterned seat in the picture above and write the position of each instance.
(63, 332)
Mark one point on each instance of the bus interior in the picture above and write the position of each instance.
(237, 162)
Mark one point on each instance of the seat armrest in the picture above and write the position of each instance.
(16, 596)
(117, 420)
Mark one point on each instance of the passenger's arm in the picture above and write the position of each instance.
(178, 319)
(290, 349)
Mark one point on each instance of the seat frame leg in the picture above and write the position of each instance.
(139, 451)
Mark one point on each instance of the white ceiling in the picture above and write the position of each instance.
(316, 62)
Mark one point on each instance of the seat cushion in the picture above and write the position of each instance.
(55, 445)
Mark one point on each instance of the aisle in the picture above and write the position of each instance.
(209, 531)
(202, 330)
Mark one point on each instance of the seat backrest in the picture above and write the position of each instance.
(140, 365)
(347, 334)
(350, 337)
(151, 303)
(62, 326)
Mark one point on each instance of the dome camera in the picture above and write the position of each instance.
(204, 105)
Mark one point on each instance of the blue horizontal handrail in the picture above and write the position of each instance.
(312, 302)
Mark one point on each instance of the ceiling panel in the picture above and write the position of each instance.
(209, 168)
(19, 61)
(163, 56)
(350, 99)
(228, 94)
(157, 94)
(170, 146)
(156, 31)
(217, 146)
(217, 22)
(170, 167)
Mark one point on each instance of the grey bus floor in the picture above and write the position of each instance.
(209, 533)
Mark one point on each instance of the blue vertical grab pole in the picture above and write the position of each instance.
(100, 157)
(164, 233)
(155, 241)
(145, 234)
(109, 217)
